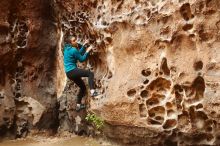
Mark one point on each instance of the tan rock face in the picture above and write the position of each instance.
(157, 65)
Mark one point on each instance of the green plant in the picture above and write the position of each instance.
(95, 120)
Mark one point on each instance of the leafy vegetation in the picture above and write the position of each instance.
(95, 120)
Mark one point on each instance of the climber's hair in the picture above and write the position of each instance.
(69, 38)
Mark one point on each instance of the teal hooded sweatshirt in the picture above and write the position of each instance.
(71, 55)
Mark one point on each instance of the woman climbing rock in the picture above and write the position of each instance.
(73, 52)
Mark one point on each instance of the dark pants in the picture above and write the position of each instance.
(75, 75)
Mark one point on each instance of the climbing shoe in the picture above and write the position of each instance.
(80, 106)
(95, 93)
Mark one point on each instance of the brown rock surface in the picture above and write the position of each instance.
(28, 66)
(156, 64)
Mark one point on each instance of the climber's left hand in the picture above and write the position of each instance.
(86, 42)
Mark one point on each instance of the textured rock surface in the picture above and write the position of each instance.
(28, 66)
(156, 64)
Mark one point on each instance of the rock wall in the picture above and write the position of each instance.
(156, 63)
(29, 67)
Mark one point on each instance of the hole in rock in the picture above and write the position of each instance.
(204, 35)
(153, 122)
(178, 88)
(137, 1)
(179, 107)
(209, 129)
(152, 114)
(98, 17)
(148, 12)
(164, 67)
(104, 23)
(199, 86)
(94, 3)
(141, 87)
(30, 108)
(131, 92)
(144, 94)
(159, 118)
(146, 72)
(152, 101)
(158, 83)
(192, 36)
(171, 123)
(21, 42)
(213, 112)
(187, 27)
(158, 111)
(109, 39)
(146, 81)
(169, 105)
(198, 65)
(158, 96)
(109, 75)
(185, 11)
(17, 95)
(199, 106)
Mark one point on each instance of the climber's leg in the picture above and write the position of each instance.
(82, 92)
(86, 73)
(73, 75)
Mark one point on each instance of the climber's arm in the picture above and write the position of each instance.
(82, 46)
(80, 57)
(82, 49)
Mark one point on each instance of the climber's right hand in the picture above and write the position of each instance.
(89, 48)
(86, 42)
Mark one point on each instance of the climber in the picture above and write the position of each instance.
(74, 51)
